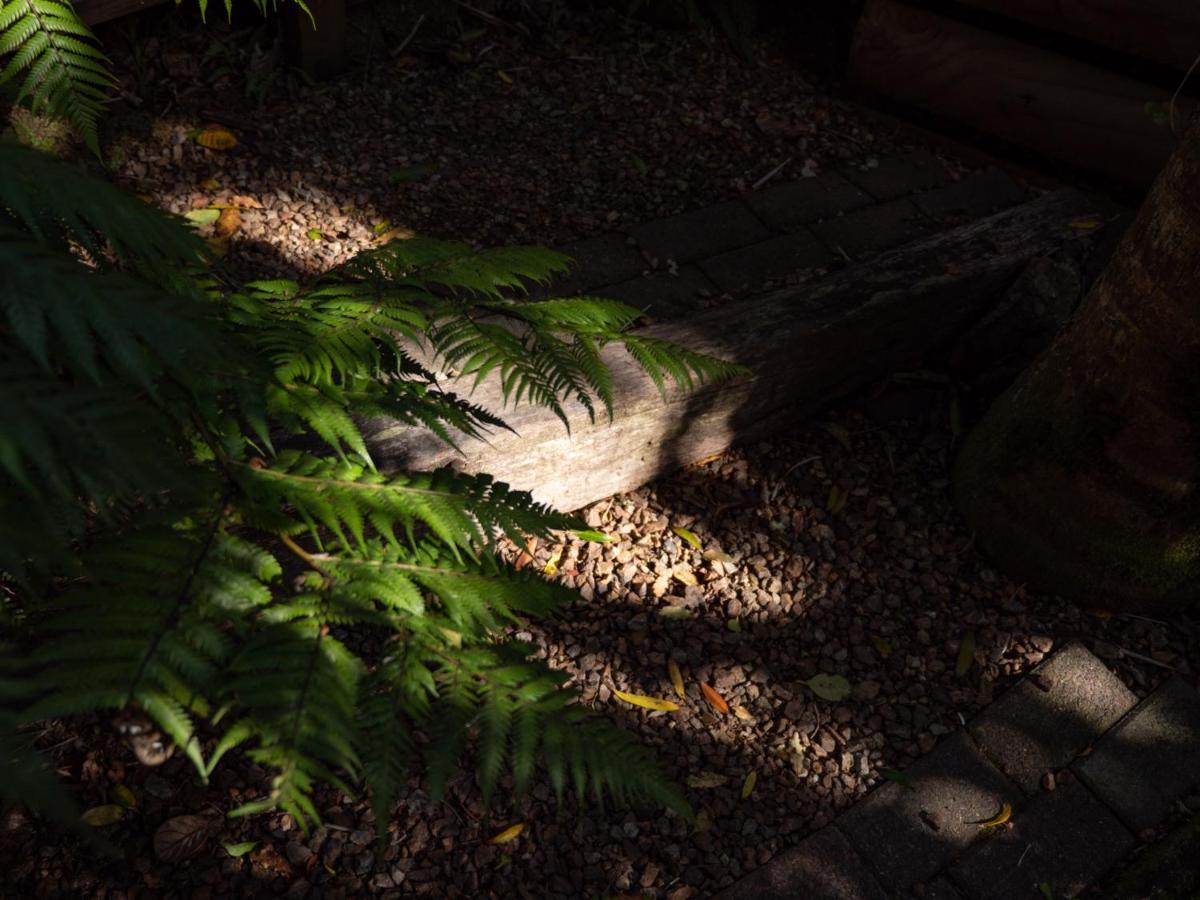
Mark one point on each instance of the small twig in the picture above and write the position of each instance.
(1028, 847)
(1175, 96)
(1143, 618)
(1148, 659)
(775, 171)
(783, 477)
(412, 34)
(495, 21)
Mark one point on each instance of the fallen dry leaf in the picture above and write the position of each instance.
(966, 653)
(748, 784)
(181, 838)
(882, 646)
(688, 536)
(647, 702)
(228, 222)
(715, 700)
(744, 714)
(246, 202)
(511, 833)
(684, 575)
(551, 567)
(102, 816)
(216, 137)
(999, 819)
(676, 678)
(829, 687)
(706, 780)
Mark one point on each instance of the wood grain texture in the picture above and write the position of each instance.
(805, 345)
(1087, 116)
(1163, 31)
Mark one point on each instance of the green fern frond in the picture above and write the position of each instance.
(64, 71)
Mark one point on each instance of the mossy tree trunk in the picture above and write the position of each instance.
(1082, 478)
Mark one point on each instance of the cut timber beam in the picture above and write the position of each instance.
(1065, 109)
(805, 346)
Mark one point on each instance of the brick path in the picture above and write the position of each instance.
(781, 229)
(1118, 767)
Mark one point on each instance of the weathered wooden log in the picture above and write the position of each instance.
(1090, 117)
(1163, 31)
(805, 346)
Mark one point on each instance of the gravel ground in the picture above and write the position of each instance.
(883, 592)
(546, 140)
(583, 126)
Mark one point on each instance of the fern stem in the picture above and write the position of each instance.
(181, 598)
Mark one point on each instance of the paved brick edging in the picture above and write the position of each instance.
(1116, 766)
(780, 230)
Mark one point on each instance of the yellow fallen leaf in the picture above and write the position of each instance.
(706, 780)
(228, 222)
(551, 567)
(123, 797)
(999, 819)
(734, 625)
(717, 556)
(246, 202)
(675, 612)
(399, 233)
(210, 184)
(647, 702)
(101, 816)
(1086, 224)
(688, 536)
(744, 714)
(748, 784)
(511, 833)
(216, 137)
(684, 575)
(715, 700)
(504, 76)
(676, 678)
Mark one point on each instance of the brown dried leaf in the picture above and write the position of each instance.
(181, 838)
(715, 700)
(228, 222)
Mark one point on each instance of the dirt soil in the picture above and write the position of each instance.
(835, 549)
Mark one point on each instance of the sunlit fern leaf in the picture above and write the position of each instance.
(60, 66)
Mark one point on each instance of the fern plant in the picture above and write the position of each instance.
(194, 534)
(54, 62)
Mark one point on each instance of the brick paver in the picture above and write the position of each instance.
(795, 203)
(873, 228)
(908, 833)
(823, 867)
(1151, 758)
(766, 261)
(1041, 724)
(661, 294)
(1065, 839)
(979, 194)
(899, 175)
(702, 232)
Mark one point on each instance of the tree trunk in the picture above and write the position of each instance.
(1082, 478)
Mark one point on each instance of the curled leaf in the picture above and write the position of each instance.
(236, 850)
(102, 816)
(676, 678)
(647, 702)
(715, 700)
(999, 819)
(829, 687)
(748, 784)
(688, 536)
(511, 833)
